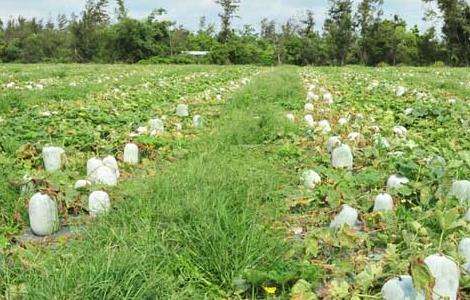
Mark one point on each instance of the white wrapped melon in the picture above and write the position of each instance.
(98, 203)
(328, 98)
(400, 131)
(381, 142)
(396, 182)
(309, 120)
(401, 288)
(53, 158)
(324, 126)
(104, 175)
(347, 216)
(446, 274)
(461, 191)
(131, 154)
(408, 111)
(111, 162)
(375, 128)
(310, 179)
(290, 117)
(383, 202)
(197, 121)
(93, 164)
(142, 130)
(80, 184)
(333, 142)
(464, 249)
(400, 91)
(309, 107)
(354, 136)
(311, 96)
(343, 121)
(182, 110)
(157, 125)
(342, 157)
(43, 215)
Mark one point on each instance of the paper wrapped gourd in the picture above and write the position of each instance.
(401, 288)
(309, 107)
(324, 126)
(290, 117)
(396, 182)
(310, 179)
(461, 191)
(80, 184)
(182, 110)
(43, 215)
(92, 165)
(53, 158)
(383, 202)
(333, 142)
(328, 98)
(111, 162)
(157, 125)
(309, 120)
(98, 203)
(347, 216)
(446, 274)
(104, 175)
(197, 121)
(342, 157)
(131, 154)
(400, 91)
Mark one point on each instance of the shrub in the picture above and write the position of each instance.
(439, 64)
(382, 64)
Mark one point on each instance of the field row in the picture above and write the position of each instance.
(330, 183)
(98, 120)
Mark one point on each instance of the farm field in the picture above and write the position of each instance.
(272, 193)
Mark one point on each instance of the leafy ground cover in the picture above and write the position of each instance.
(90, 112)
(221, 212)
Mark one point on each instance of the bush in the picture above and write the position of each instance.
(439, 64)
(382, 64)
(177, 59)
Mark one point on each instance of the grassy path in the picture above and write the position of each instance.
(98, 124)
(195, 229)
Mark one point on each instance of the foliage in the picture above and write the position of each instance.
(362, 36)
(219, 212)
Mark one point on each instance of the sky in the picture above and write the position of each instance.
(188, 12)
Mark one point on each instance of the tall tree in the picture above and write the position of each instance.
(339, 29)
(121, 9)
(367, 17)
(456, 29)
(309, 23)
(268, 29)
(229, 11)
(86, 31)
(62, 22)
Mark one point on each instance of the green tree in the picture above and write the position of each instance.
(87, 31)
(429, 48)
(121, 10)
(339, 30)
(456, 29)
(367, 16)
(229, 11)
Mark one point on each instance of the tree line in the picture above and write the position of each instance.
(350, 35)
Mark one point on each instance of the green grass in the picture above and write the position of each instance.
(92, 119)
(192, 230)
(210, 213)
